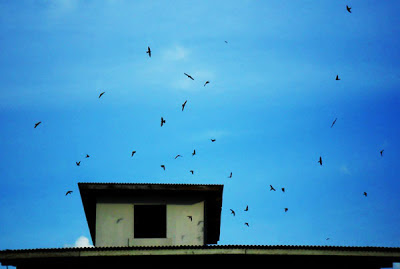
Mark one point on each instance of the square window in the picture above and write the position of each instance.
(150, 221)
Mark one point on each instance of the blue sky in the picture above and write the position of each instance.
(270, 103)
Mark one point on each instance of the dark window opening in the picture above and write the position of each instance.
(150, 221)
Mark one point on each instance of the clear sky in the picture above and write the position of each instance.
(270, 104)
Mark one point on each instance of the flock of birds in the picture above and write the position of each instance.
(163, 121)
(233, 213)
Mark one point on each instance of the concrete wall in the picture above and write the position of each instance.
(115, 220)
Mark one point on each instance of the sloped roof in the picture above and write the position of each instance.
(211, 193)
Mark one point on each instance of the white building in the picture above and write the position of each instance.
(152, 214)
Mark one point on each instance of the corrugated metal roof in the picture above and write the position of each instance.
(125, 183)
(292, 247)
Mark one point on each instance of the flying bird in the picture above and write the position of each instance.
(148, 51)
(247, 208)
(206, 83)
(194, 152)
(365, 194)
(87, 156)
(283, 189)
(337, 77)
(382, 152)
(328, 238)
(189, 76)
(230, 175)
(212, 140)
(68, 192)
(133, 152)
(190, 217)
(183, 105)
(37, 124)
(78, 163)
(163, 167)
(320, 160)
(247, 224)
(333, 123)
(191, 171)
(162, 121)
(118, 220)
(271, 188)
(101, 94)
(348, 9)
(178, 156)
(232, 212)
(286, 209)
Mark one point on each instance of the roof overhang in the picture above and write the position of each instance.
(212, 195)
(280, 256)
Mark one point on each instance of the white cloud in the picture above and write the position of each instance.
(81, 242)
(175, 53)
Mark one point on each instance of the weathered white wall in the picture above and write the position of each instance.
(180, 230)
(108, 231)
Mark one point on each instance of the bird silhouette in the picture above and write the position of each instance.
(226, 41)
(327, 238)
(247, 224)
(212, 140)
(118, 220)
(230, 175)
(194, 152)
(365, 194)
(183, 105)
(148, 51)
(101, 94)
(382, 152)
(78, 163)
(87, 156)
(271, 188)
(163, 167)
(233, 212)
(283, 189)
(162, 121)
(177, 156)
(191, 171)
(348, 9)
(37, 124)
(133, 153)
(189, 76)
(333, 123)
(190, 217)
(337, 77)
(206, 83)
(286, 209)
(320, 160)
(68, 192)
(247, 208)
